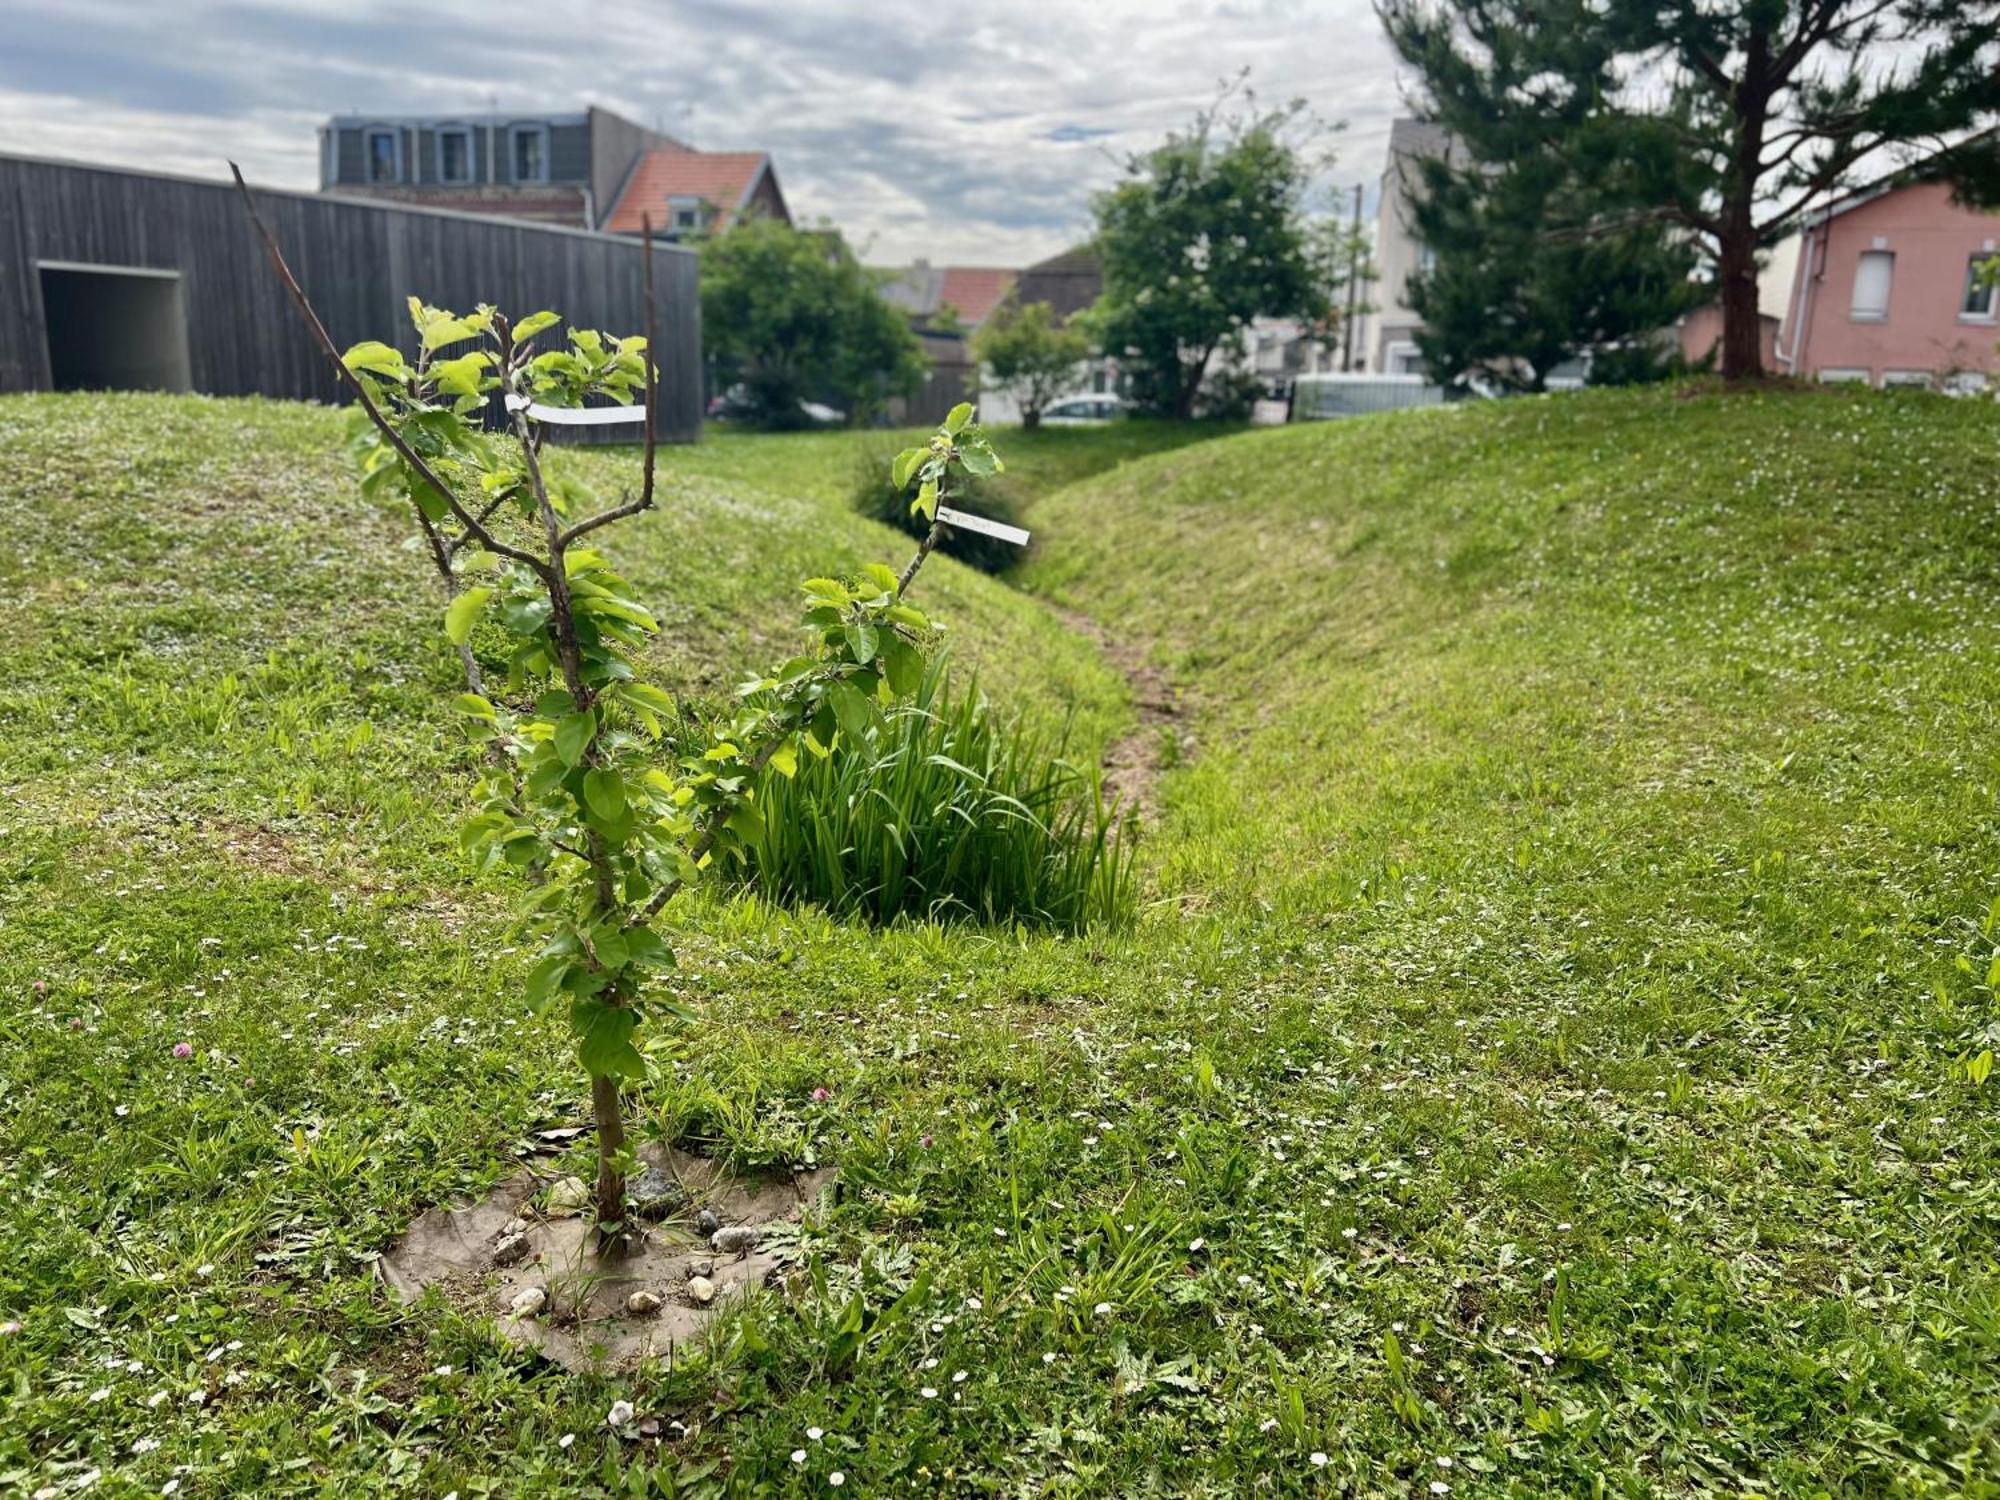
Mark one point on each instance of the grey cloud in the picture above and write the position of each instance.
(958, 130)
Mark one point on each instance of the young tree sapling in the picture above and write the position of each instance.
(578, 788)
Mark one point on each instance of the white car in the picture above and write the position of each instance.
(1085, 411)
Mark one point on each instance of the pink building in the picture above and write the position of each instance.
(1887, 291)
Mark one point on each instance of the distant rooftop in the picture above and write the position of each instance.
(724, 180)
(970, 291)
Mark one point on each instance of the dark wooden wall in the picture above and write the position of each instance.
(357, 260)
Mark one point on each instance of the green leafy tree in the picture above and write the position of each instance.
(792, 316)
(1027, 353)
(580, 786)
(1726, 120)
(1208, 232)
(1510, 297)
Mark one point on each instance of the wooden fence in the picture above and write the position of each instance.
(182, 253)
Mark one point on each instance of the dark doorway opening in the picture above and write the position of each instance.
(115, 329)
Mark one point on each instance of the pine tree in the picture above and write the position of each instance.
(1510, 296)
(1727, 118)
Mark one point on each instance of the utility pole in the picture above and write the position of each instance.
(1353, 287)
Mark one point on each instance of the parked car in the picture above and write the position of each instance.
(735, 405)
(1083, 411)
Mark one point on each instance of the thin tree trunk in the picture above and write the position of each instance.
(604, 1105)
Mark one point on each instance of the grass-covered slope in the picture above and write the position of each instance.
(1540, 1070)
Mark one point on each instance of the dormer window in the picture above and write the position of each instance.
(529, 145)
(454, 154)
(384, 156)
(687, 214)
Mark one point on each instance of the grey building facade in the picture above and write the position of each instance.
(557, 168)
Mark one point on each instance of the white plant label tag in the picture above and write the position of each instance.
(576, 416)
(984, 527)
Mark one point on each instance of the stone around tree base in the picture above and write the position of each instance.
(586, 1320)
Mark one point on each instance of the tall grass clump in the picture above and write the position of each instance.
(951, 812)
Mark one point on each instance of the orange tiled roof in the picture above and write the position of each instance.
(722, 178)
(975, 291)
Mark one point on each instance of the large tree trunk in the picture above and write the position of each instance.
(1736, 237)
(1742, 330)
(1031, 418)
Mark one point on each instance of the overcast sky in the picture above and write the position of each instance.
(968, 133)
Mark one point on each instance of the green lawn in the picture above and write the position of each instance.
(1540, 1067)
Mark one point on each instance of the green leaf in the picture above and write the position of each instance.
(862, 643)
(852, 710)
(618, 609)
(785, 759)
(643, 695)
(926, 503)
(604, 791)
(608, 943)
(903, 665)
(475, 706)
(906, 465)
(545, 981)
(957, 417)
(460, 617)
(376, 357)
(745, 821)
(444, 331)
(461, 376)
(606, 1040)
(533, 324)
(979, 460)
(646, 947)
(427, 498)
(574, 733)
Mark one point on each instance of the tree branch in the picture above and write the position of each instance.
(408, 454)
(1823, 181)
(931, 539)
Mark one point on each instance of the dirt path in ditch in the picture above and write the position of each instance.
(1133, 762)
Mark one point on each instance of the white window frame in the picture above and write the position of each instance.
(464, 132)
(1907, 379)
(686, 203)
(368, 137)
(1991, 314)
(1856, 313)
(1843, 375)
(538, 129)
(1964, 383)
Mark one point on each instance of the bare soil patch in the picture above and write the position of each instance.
(494, 1255)
(1133, 762)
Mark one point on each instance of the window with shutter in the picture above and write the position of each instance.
(1872, 279)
